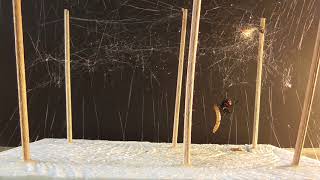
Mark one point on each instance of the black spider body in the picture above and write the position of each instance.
(226, 106)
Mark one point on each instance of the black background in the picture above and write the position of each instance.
(106, 94)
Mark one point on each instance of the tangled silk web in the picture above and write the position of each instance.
(104, 40)
(144, 36)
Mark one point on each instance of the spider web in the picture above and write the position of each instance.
(125, 54)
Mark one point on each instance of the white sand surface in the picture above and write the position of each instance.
(94, 159)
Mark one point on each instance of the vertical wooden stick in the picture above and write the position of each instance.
(68, 74)
(179, 79)
(21, 78)
(312, 81)
(258, 83)
(190, 79)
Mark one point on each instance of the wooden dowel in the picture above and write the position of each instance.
(179, 78)
(68, 74)
(21, 79)
(258, 83)
(190, 79)
(309, 95)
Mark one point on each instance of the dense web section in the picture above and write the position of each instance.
(125, 54)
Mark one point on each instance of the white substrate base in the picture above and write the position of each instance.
(55, 158)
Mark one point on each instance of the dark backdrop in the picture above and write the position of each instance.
(124, 68)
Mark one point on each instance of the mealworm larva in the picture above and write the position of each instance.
(218, 118)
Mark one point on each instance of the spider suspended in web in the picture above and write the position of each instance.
(226, 105)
